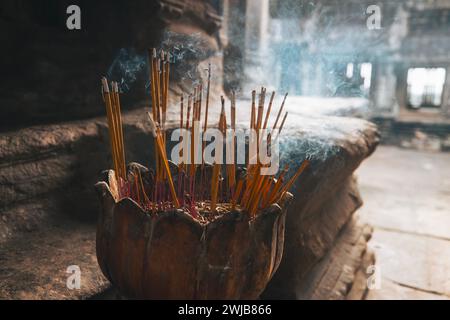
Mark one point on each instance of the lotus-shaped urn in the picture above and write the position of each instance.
(172, 255)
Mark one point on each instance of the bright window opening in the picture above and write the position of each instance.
(366, 74)
(425, 86)
(349, 72)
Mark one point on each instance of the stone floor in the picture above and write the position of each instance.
(407, 199)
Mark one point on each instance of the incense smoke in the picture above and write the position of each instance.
(130, 68)
(127, 67)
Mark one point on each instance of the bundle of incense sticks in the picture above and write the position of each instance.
(112, 103)
(199, 189)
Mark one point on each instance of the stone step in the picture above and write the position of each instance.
(341, 274)
(318, 236)
(417, 135)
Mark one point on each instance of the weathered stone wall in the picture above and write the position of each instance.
(52, 74)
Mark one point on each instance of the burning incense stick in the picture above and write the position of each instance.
(279, 112)
(166, 88)
(115, 128)
(260, 109)
(118, 121)
(270, 195)
(217, 166)
(282, 122)
(231, 168)
(208, 86)
(252, 117)
(268, 110)
(158, 140)
(288, 185)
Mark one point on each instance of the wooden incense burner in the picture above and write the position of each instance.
(172, 255)
(187, 230)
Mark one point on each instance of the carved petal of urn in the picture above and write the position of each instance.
(171, 255)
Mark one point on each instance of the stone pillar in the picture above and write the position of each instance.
(318, 80)
(223, 31)
(256, 43)
(357, 73)
(445, 107)
(402, 86)
(307, 81)
(383, 98)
